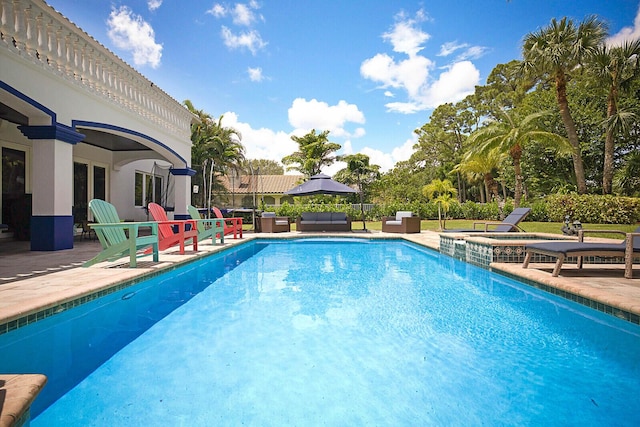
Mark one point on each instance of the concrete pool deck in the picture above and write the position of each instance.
(34, 281)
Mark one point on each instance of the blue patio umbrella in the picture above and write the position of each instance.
(320, 184)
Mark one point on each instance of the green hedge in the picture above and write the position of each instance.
(591, 209)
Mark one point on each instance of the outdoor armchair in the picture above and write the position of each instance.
(207, 227)
(270, 223)
(402, 222)
(170, 237)
(119, 239)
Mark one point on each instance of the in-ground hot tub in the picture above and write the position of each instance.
(482, 249)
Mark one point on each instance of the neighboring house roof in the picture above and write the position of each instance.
(265, 184)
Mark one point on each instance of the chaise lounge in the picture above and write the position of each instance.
(628, 249)
(510, 223)
(403, 222)
(323, 221)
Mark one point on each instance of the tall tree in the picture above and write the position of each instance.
(263, 166)
(558, 50)
(510, 135)
(616, 67)
(359, 172)
(315, 151)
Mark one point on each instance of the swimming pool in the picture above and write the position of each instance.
(308, 332)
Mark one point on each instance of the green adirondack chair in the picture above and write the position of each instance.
(115, 242)
(208, 227)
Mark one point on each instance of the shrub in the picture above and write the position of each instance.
(593, 209)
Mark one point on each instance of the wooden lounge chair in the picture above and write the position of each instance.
(403, 222)
(115, 242)
(231, 225)
(510, 223)
(169, 237)
(207, 227)
(270, 223)
(628, 249)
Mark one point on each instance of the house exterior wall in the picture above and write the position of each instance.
(64, 82)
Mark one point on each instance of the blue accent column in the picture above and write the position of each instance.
(52, 183)
(51, 233)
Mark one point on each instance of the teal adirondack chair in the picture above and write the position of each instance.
(115, 242)
(212, 227)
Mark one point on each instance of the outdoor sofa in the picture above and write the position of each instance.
(403, 222)
(323, 221)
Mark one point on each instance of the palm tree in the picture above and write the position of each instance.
(510, 135)
(315, 151)
(558, 50)
(616, 67)
(444, 192)
(359, 172)
(483, 163)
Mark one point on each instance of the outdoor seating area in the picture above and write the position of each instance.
(323, 221)
(402, 222)
(596, 251)
(270, 223)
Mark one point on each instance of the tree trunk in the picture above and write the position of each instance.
(572, 134)
(607, 167)
(516, 155)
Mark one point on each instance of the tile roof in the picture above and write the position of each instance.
(266, 184)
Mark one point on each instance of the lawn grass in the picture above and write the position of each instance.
(528, 226)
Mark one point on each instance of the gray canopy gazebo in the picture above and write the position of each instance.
(320, 184)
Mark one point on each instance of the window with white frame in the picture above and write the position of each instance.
(148, 188)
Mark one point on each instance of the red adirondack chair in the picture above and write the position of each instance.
(166, 233)
(231, 225)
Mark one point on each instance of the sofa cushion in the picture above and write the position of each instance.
(308, 216)
(282, 222)
(402, 214)
(393, 222)
(268, 214)
(323, 217)
(339, 217)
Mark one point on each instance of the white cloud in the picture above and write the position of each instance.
(626, 33)
(243, 15)
(389, 94)
(255, 74)
(405, 37)
(261, 143)
(217, 10)
(250, 40)
(269, 144)
(306, 115)
(413, 74)
(450, 47)
(131, 33)
(154, 4)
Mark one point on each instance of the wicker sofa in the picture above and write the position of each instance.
(403, 222)
(270, 223)
(323, 221)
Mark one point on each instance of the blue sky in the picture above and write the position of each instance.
(369, 71)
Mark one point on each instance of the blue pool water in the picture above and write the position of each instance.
(331, 333)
